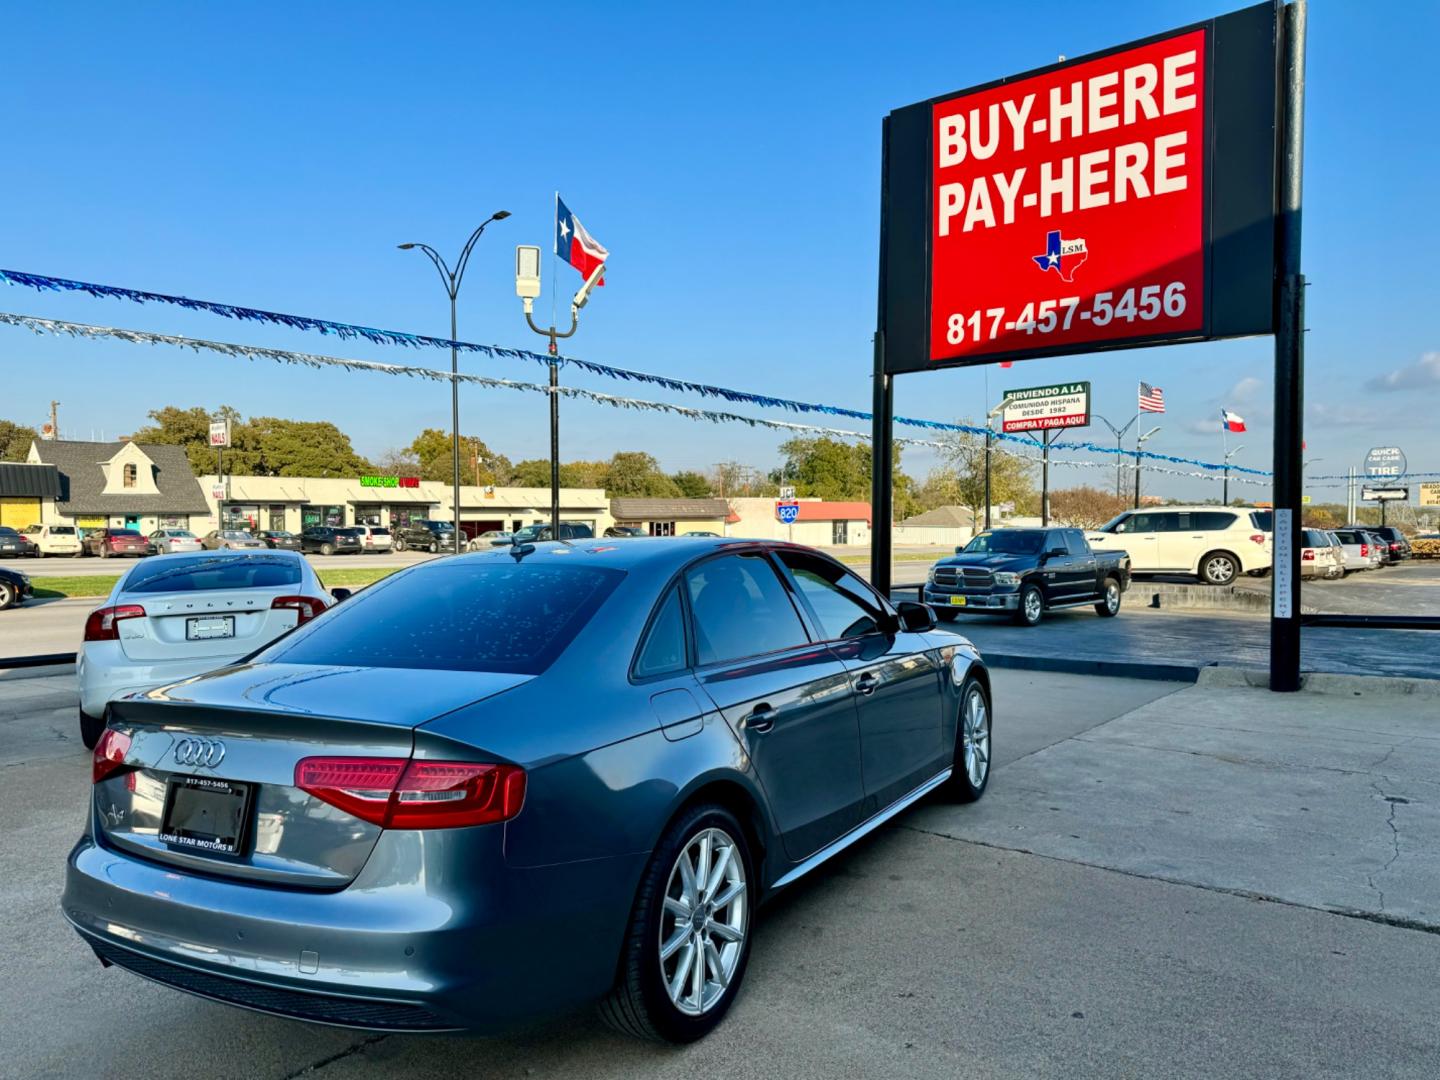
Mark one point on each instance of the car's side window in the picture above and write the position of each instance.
(664, 648)
(839, 604)
(1075, 542)
(740, 609)
(1213, 521)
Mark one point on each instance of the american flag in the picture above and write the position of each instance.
(1152, 398)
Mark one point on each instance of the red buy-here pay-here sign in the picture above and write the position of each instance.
(1069, 206)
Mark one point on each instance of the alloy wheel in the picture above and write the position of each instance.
(1032, 606)
(1112, 596)
(704, 922)
(1219, 570)
(975, 736)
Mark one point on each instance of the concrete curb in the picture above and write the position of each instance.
(1115, 669)
(1323, 682)
(37, 672)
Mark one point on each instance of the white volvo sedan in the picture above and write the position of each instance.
(175, 616)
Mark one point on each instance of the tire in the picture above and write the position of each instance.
(434, 547)
(327, 549)
(105, 553)
(91, 728)
(8, 595)
(399, 543)
(1110, 606)
(1219, 568)
(1032, 606)
(946, 614)
(640, 1003)
(971, 774)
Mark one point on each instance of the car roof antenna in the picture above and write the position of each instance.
(519, 550)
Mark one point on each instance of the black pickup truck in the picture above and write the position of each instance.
(1026, 572)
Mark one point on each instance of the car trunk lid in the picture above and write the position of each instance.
(192, 625)
(199, 777)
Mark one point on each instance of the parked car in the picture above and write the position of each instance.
(279, 539)
(15, 588)
(15, 545)
(1394, 539)
(53, 540)
(1321, 555)
(373, 538)
(625, 531)
(108, 543)
(1026, 572)
(1358, 549)
(701, 532)
(424, 534)
(175, 616)
(330, 540)
(174, 541)
(1381, 545)
(231, 540)
(569, 530)
(488, 539)
(403, 792)
(1214, 544)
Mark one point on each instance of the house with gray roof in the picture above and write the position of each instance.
(121, 485)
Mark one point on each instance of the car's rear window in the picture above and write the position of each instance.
(1264, 520)
(210, 573)
(379, 532)
(62, 530)
(495, 615)
(123, 533)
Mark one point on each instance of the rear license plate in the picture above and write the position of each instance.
(210, 626)
(957, 601)
(205, 814)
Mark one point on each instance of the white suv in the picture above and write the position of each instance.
(54, 539)
(1214, 543)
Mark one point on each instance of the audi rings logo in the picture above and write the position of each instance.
(202, 753)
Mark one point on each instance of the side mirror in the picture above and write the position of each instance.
(915, 617)
(341, 594)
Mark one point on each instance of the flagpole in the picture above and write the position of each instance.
(1225, 449)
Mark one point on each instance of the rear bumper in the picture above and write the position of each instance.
(436, 933)
(105, 674)
(940, 597)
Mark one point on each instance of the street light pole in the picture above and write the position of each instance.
(1119, 434)
(451, 279)
(1225, 496)
(1139, 444)
(527, 287)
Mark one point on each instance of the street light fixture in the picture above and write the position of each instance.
(1119, 434)
(1139, 443)
(451, 279)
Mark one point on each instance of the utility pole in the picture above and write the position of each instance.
(55, 420)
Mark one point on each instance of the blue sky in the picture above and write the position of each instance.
(274, 155)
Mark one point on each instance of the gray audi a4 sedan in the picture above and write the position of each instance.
(510, 782)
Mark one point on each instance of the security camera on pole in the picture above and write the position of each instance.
(578, 248)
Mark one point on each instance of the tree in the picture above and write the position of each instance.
(433, 456)
(535, 472)
(299, 448)
(692, 485)
(190, 428)
(963, 474)
(15, 440)
(1085, 507)
(398, 461)
(636, 473)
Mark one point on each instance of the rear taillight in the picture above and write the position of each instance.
(307, 606)
(103, 623)
(1257, 538)
(110, 754)
(1308, 555)
(396, 793)
(1394, 547)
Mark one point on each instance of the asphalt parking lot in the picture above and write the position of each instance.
(1163, 880)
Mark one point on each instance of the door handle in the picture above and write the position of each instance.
(866, 683)
(760, 719)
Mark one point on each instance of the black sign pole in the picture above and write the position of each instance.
(882, 436)
(1289, 360)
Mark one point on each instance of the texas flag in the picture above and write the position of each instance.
(575, 245)
(1231, 423)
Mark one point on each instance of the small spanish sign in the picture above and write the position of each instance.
(1039, 408)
